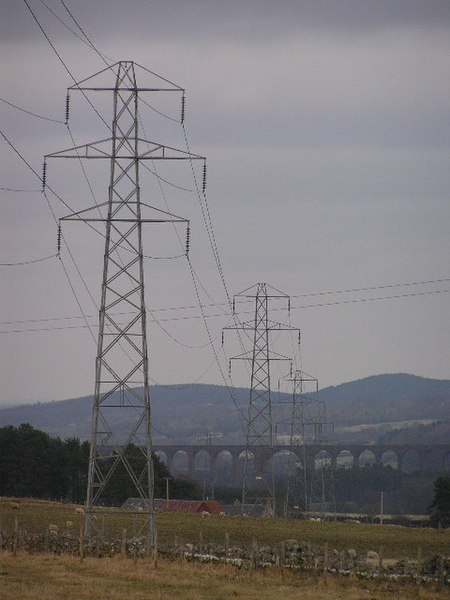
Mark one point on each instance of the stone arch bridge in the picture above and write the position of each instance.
(210, 461)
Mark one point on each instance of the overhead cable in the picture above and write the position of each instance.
(64, 64)
(213, 316)
(28, 112)
(28, 262)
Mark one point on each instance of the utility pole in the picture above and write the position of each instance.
(121, 371)
(259, 425)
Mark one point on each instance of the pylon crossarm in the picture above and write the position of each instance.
(273, 356)
(94, 150)
(116, 72)
(261, 288)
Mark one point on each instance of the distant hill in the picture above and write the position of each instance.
(180, 413)
(434, 433)
(388, 398)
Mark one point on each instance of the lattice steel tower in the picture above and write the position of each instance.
(305, 414)
(259, 426)
(121, 374)
(309, 425)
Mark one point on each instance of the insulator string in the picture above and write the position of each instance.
(44, 175)
(67, 108)
(183, 108)
(204, 178)
(188, 239)
(58, 243)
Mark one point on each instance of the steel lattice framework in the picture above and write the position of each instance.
(259, 426)
(308, 424)
(121, 374)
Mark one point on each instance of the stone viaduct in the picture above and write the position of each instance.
(200, 461)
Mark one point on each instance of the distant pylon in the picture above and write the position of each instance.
(308, 424)
(121, 374)
(303, 416)
(259, 426)
(312, 488)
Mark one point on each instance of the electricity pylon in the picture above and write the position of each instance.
(207, 439)
(308, 424)
(259, 426)
(303, 416)
(121, 373)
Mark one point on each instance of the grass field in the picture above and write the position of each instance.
(397, 542)
(52, 577)
(48, 577)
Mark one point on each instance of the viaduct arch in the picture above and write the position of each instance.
(407, 457)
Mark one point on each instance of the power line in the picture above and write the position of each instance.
(371, 288)
(6, 189)
(213, 316)
(28, 112)
(166, 116)
(64, 64)
(91, 44)
(379, 298)
(190, 307)
(28, 262)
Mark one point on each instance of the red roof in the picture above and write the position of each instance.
(192, 506)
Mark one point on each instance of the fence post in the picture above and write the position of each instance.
(227, 541)
(282, 553)
(155, 551)
(16, 535)
(419, 565)
(254, 555)
(200, 541)
(325, 558)
(81, 542)
(124, 542)
(441, 569)
(380, 560)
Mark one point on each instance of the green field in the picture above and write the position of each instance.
(397, 542)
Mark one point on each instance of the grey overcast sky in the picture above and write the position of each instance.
(326, 128)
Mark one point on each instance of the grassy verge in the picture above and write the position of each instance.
(47, 577)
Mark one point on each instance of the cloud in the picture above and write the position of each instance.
(325, 125)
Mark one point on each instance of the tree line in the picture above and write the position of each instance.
(34, 464)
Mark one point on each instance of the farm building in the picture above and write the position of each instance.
(191, 506)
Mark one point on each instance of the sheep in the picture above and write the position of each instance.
(79, 510)
(205, 513)
(221, 515)
(372, 555)
(53, 529)
(69, 524)
(15, 505)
